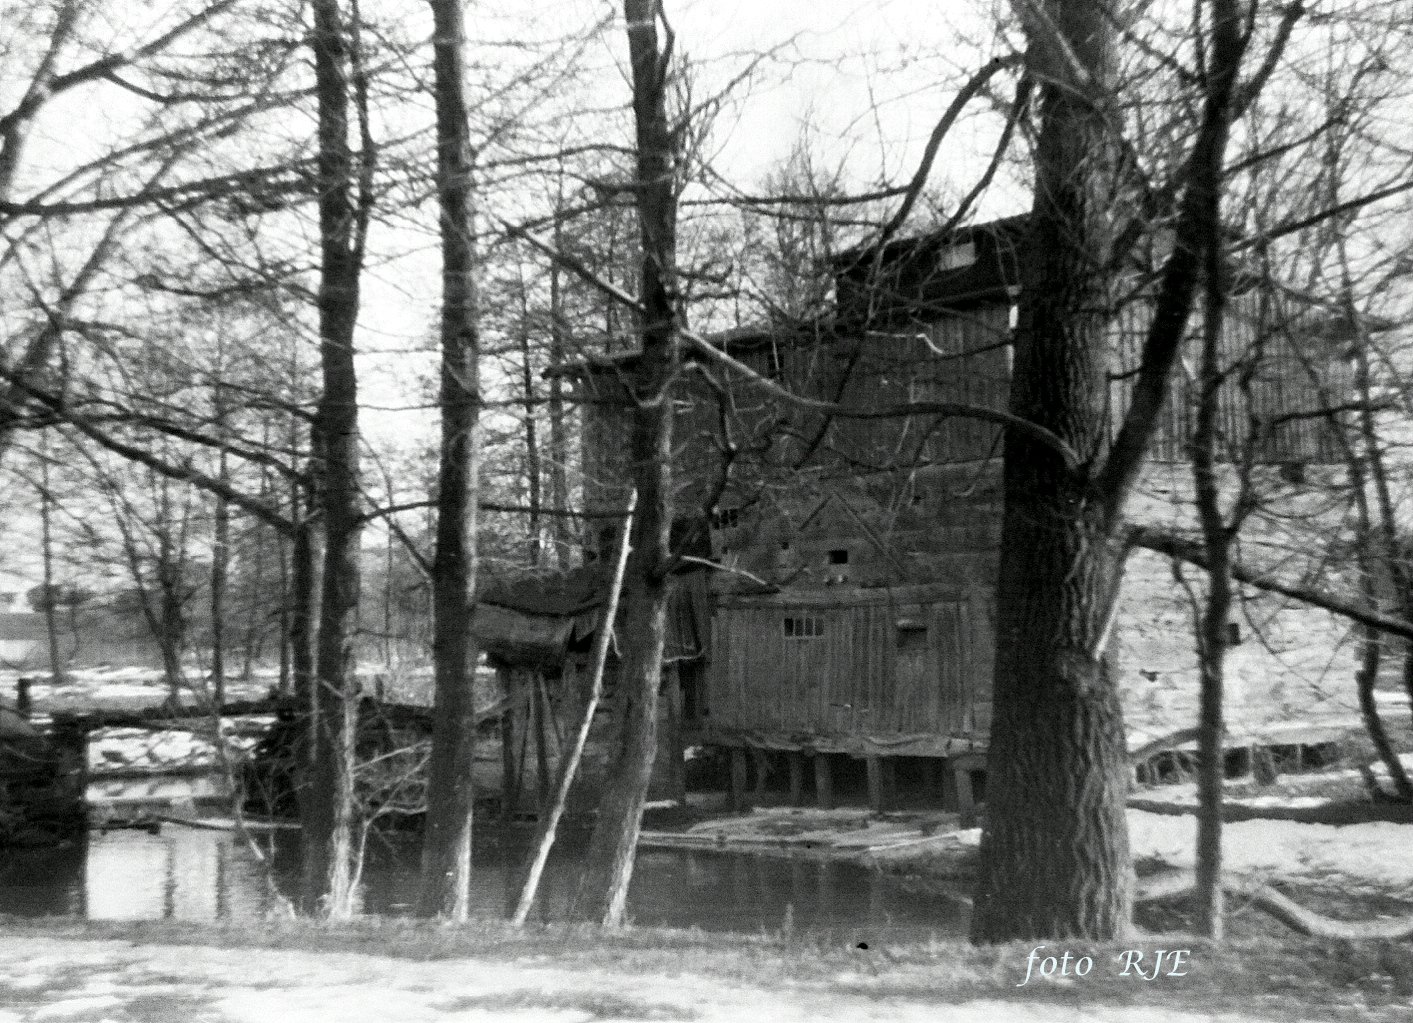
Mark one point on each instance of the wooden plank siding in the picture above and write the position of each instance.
(1290, 362)
(842, 684)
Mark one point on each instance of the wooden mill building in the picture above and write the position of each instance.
(851, 625)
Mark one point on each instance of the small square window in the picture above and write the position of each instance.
(839, 556)
(912, 637)
(725, 518)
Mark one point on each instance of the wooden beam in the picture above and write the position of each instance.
(542, 775)
(739, 797)
(877, 799)
(932, 784)
(962, 777)
(672, 740)
(508, 794)
(823, 782)
(797, 778)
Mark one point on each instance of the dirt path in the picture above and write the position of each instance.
(96, 981)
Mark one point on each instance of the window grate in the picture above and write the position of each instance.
(803, 627)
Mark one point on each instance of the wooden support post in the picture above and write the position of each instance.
(949, 784)
(877, 800)
(762, 762)
(739, 800)
(931, 793)
(508, 780)
(962, 776)
(823, 782)
(672, 740)
(797, 777)
(542, 774)
(507, 763)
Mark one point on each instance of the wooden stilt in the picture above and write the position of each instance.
(962, 778)
(877, 802)
(797, 778)
(542, 775)
(762, 762)
(823, 782)
(931, 788)
(889, 767)
(948, 778)
(507, 762)
(739, 799)
(672, 739)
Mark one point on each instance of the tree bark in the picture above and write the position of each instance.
(220, 563)
(446, 841)
(533, 470)
(1055, 856)
(51, 592)
(1212, 634)
(328, 812)
(603, 891)
(558, 434)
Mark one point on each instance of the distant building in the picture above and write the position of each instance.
(853, 613)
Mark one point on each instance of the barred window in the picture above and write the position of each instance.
(803, 627)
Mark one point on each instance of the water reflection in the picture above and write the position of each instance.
(196, 874)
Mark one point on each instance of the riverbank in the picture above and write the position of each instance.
(412, 971)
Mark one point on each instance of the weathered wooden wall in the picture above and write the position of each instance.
(900, 671)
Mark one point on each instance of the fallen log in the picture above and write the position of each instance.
(1265, 898)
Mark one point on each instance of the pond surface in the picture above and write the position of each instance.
(200, 874)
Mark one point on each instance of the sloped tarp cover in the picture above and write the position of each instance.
(531, 621)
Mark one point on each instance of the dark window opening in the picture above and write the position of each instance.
(803, 627)
(726, 518)
(912, 637)
(1233, 634)
(839, 556)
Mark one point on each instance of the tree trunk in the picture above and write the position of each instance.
(220, 563)
(603, 892)
(51, 592)
(570, 758)
(327, 833)
(533, 470)
(446, 841)
(304, 557)
(1212, 637)
(558, 435)
(1055, 856)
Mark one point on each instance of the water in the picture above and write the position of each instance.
(197, 874)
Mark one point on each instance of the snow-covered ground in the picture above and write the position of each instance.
(170, 750)
(125, 687)
(1374, 853)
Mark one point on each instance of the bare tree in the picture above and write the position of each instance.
(446, 843)
(603, 892)
(1055, 856)
(327, 804)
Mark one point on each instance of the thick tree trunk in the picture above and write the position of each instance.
(1055, 857)
(446, 841)
(603, 892)
(304, 557)
(328, 810)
